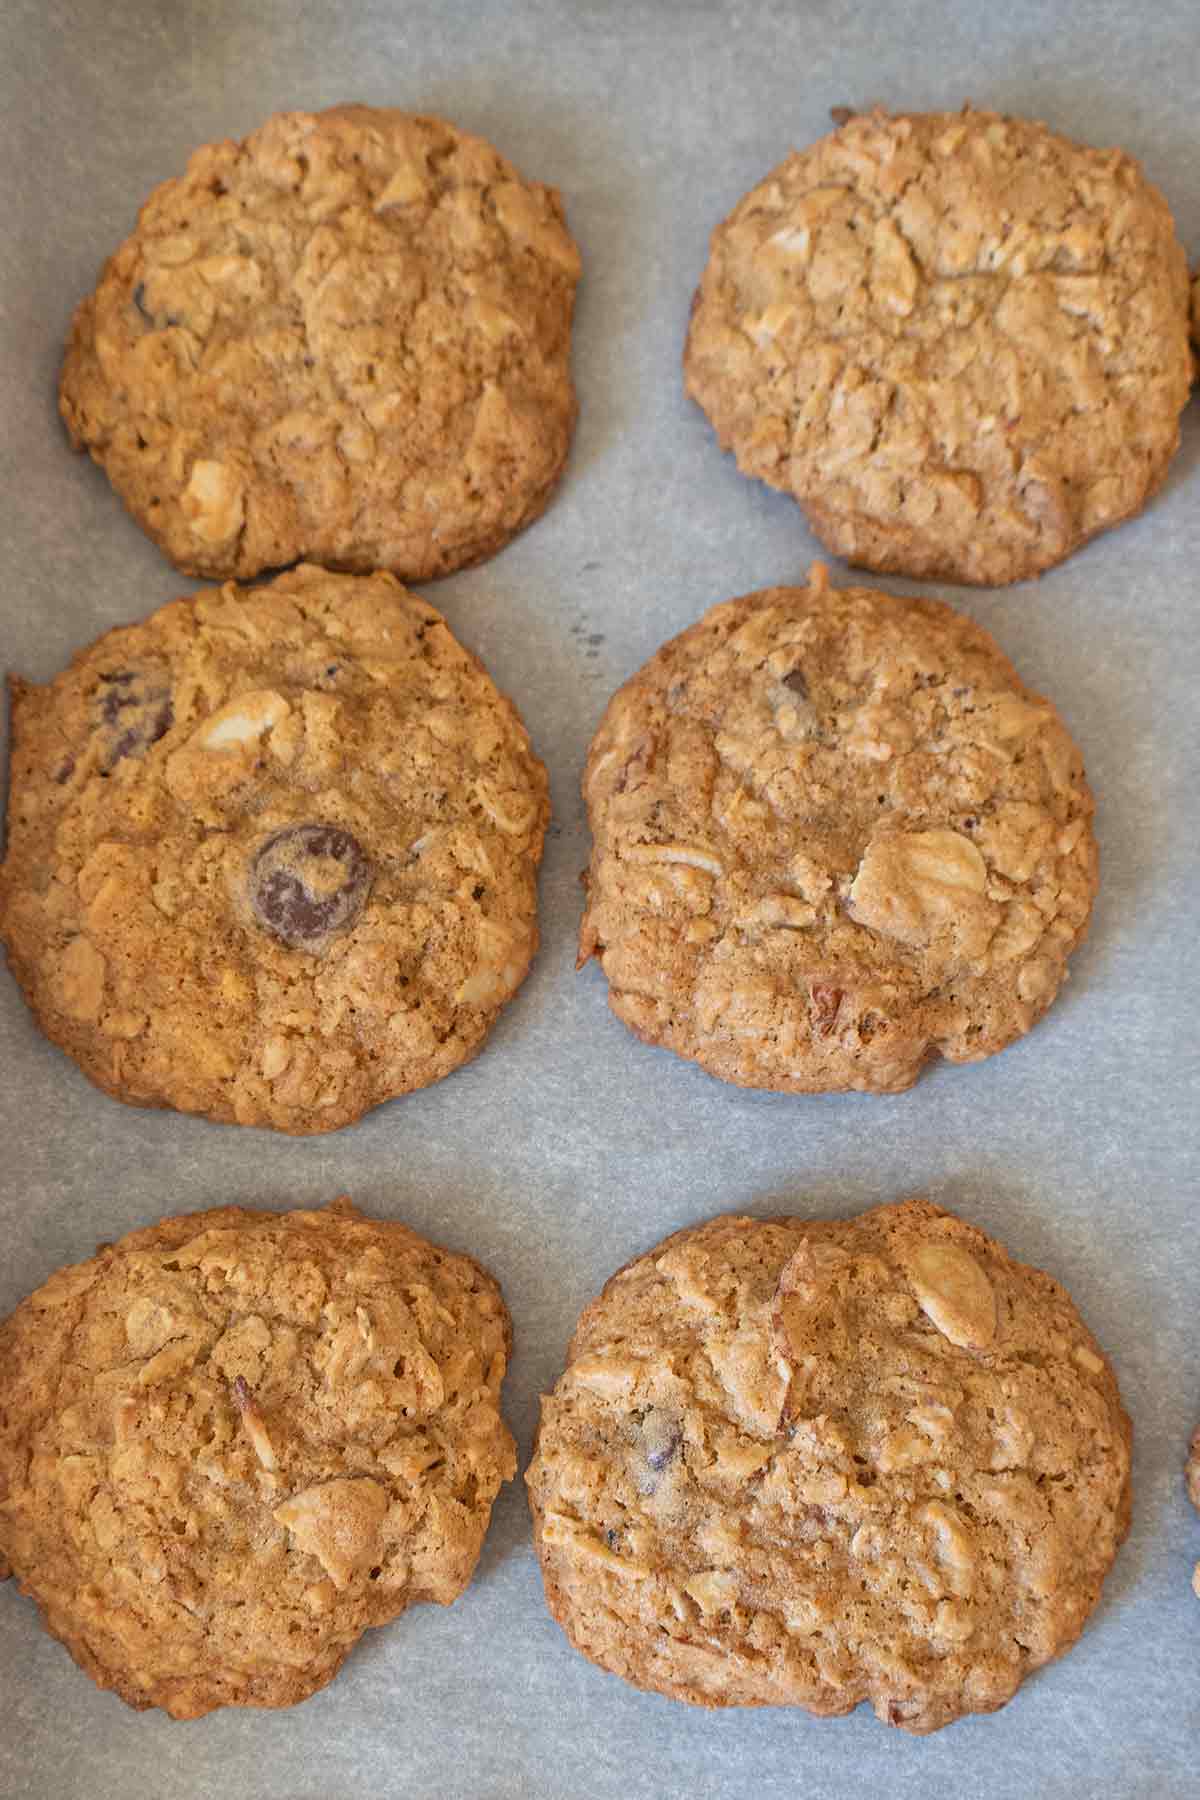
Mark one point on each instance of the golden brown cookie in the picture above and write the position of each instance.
(231, 1442)
(833, 835)
(811, 1464)
(272, 854)
(346, 339)
(959, 340)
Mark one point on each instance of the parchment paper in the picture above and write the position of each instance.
(568, 1146)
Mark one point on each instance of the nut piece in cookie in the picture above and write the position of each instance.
(834, 835)
(798, 1463)
(233, 1441)
(273, 853)
(959, 340)
(346, 339)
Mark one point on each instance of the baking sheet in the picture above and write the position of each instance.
(568, 1146)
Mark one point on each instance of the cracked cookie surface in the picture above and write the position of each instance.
(272, 854)
(233, 1441)
(346, 339)
(833, 836)
(960, 341)
(816, 1463)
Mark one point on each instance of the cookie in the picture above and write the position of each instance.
(346, 339)
(231, 1442)
(833, 836)
(960, 341)
(810, 1464)
(272, 854)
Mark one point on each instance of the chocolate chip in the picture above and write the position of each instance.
(65, 770)
(135, 710)
(122, 747)
(115, 693)
(307, 882)
(795, 680)
(841, 115)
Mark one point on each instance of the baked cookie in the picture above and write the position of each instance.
(345, 339)
(834, 835)
(959, 340)
(272, 854)
(811, 1464)
(233, 1441)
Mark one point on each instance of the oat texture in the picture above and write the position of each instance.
(233, 1441)
(272, 854)
(833, 836)
(959, 340)
(345, 339)
(811, 1464)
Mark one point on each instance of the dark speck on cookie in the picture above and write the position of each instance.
(135, 711)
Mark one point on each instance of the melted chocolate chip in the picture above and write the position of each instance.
(135, 710)
(115, 692)
(65, 770)
(796, 682)
(307, 882)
